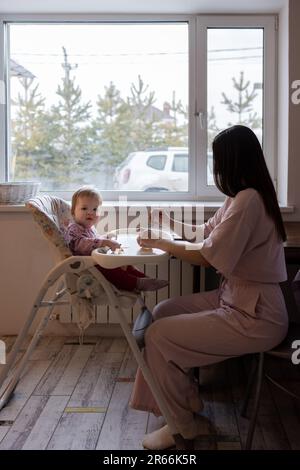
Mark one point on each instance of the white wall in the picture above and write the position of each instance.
(25, 260)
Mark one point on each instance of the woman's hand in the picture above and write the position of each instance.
(153, 238)
(186, 251)
(147, 242)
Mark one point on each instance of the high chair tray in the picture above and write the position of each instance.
(130, 252)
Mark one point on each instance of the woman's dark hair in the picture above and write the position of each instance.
(239, 163)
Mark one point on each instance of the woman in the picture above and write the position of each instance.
(247, 314)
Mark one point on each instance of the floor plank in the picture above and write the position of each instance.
(128, 367)
(71, 374)
(17, 435)
(46, 423)
(76, 397)
(95, 386)
(48, 348)
(123, 427)
(118, 345)
(56, 371)
(32, 376)
(77, 431)
(3, 431)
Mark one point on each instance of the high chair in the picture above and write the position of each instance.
(70, 273)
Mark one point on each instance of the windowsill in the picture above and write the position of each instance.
(209, 206)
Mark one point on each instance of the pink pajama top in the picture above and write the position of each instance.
(82, 240)
(242, 243)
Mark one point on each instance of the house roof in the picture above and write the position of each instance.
(17, 70)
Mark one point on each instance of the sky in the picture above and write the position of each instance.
(100, 53)
(105, 53)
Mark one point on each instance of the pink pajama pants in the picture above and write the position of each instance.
(198, 330)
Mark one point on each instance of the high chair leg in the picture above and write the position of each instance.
(11, 385)
(72, 264)
(153, 385)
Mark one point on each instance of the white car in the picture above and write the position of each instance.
(154, 170)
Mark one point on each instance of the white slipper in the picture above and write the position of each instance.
(159, 440)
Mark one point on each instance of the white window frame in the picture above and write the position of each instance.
(198, 24)
(269, 24)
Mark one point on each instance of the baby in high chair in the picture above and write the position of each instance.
(82, 238)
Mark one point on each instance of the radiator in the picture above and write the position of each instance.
(181, 282)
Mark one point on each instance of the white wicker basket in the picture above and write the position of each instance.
(18, 192)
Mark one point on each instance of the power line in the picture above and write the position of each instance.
(135, 53)
(107, 63)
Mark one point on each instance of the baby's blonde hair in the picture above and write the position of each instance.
(85, 191)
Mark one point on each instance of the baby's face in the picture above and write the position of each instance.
(87, 211)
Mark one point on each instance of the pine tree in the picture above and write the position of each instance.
(144, 117)
(29, 134)
(244, 105)
(171, 130)
(111, 134)
(122, 126)
(212, 127)
(68, 124)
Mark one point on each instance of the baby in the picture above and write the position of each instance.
(82, 238)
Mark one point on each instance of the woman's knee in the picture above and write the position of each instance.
(163, 309)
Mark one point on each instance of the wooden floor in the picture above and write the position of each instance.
(76, 397)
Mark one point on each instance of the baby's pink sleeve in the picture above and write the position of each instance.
(80, 243)
(84, 246)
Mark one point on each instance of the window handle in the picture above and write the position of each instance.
(201, 116)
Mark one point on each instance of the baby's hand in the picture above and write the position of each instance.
(112, 244)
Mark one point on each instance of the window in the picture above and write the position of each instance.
(89, 100)
(157, 162)
(84, 96)
(234, 81)
(236, 67)
(180, 163)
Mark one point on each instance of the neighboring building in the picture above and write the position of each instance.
(17, 70)
(156, 114)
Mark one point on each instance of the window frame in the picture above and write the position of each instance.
(197, 73)
(269, 24)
